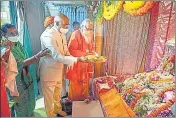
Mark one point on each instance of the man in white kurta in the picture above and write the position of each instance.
(51, 66)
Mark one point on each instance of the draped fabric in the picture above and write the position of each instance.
(34, 13)
(124, 43)
(33, 27)
(13, 13)
(74, 13)
(161, 30)
(28, 48)
(5, 110)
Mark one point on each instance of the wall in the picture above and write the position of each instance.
(5, 16)
(35, 18)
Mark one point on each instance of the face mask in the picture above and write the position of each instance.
(13, 39)
(63, 31)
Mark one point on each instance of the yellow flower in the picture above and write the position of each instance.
(110, 11)
(140, 8)
(133, 5)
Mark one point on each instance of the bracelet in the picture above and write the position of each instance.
(36, 57)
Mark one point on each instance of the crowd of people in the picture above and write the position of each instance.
(59, 58)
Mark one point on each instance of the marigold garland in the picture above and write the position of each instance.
(134, 101)
(166, 90)
(110, 11)
(133, 4)
(161, 81)
(141, 11)
(135, 8)
(162, 108)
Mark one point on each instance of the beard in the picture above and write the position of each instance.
(88, 37)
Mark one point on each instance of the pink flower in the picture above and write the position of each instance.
(168, 95)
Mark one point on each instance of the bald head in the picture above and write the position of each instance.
(61, 21)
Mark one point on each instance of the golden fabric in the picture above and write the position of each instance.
(98, 47)
(114, 105)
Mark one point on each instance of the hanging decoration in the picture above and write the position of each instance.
(110, 11)
(133, 5)
(99, 16)
(137, 8)
(91, 5)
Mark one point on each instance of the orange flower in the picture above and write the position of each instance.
(171, 88)
(141, 11)
(49, 20)
(162, 108)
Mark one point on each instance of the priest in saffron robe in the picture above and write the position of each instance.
(81, 44)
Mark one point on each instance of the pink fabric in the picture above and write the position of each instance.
(151, 35)
(163, 32)
(124, 43)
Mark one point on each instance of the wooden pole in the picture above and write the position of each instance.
(98, 47)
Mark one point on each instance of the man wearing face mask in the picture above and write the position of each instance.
(17, 73)
(51, 67)
(81, 44)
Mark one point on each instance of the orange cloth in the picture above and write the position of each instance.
(49, 20)
(80, 73)
(114, 105)
(5, 110)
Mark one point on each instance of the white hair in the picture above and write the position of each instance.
(86, 23)
(56, 19)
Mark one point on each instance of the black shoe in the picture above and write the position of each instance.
(58, 115)
(65, 96)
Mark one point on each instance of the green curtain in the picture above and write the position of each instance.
(13, 13)
(32, 67)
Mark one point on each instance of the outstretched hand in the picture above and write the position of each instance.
(43, 52)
